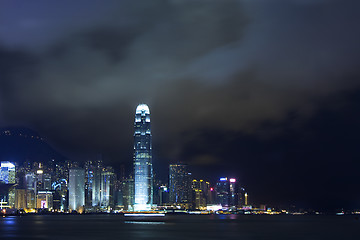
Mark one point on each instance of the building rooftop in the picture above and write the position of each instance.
(142, 107)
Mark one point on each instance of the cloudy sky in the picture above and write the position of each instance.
(265, 91)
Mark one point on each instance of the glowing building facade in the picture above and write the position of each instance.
(7, 172)
(143, 171)
(227, 190)
(222, 190)
(76, 189)
(107, 188)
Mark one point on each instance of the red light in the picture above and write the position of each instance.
(211, 189)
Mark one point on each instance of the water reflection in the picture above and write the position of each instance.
(137, 222)
(8, 226)
(178, 227)
(9, 221)
(227, 216)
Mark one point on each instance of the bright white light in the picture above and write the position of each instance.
(232, 180)
(142, 108)
(213, 207)
(141, 207)
(135, 222)
(223, 179)
(39, 171)
(7, 165)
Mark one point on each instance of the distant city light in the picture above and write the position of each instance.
(7, 165)
(95, 185)
(216, 207)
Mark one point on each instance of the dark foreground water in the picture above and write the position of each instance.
(108, 227)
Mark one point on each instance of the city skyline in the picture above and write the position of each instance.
(66, 186)
(92, 187)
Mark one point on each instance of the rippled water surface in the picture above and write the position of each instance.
(179, 227)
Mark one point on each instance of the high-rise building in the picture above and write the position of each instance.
(233, 193)
(222, 192)
(128, 192)
(97, 168)
(7, 172)
(31, 191)
(7, 180)
(163, 195)
(228, 193)
(60, 188)
(143, 159)
(30, 199)
(179, 185)
(200, 193)
(47, 181)
(20, 199)
(44, 199)
(30, 181)
(108, 178)
(241, 197)
(89, 176)
(76, 189)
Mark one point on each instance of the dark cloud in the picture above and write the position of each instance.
(221, 77)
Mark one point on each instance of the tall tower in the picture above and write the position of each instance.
(76, 189)
(143, 159)
(179, 185)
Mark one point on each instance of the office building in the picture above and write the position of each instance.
(143, 171)
(7, 172)
(44, 200)
(20, 199)
(180, 185)
(97, 169)
(222, 192)
(200, 190)
(163, 195)
(107, 185)
(76, 189)
(128, 193)
(89, 176)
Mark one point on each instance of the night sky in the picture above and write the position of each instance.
(264, 91)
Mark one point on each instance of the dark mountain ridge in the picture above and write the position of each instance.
(23, 144)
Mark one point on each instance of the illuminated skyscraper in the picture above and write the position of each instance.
(200, 191)
(143, 159)
(107, 188)
(7, 172)
(76, 189)
(97, 168)
(222, 190)
(180, 185)
(128, 193)
(228, 192)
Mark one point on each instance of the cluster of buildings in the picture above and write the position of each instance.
(94, 187)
